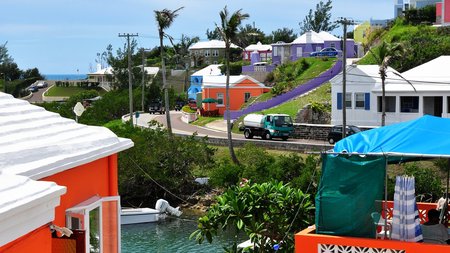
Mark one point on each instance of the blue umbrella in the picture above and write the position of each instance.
(405, 220)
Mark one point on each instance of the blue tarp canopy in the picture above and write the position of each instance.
(427, 136)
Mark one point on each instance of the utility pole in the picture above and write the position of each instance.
(130, 85)
(344, 22)
(143, 79)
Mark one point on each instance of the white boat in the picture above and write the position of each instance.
(139, 215)
(144, 215)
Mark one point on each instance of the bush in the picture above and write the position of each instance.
(151, 163)
(269, 213)
(427, 180)
(225, 174)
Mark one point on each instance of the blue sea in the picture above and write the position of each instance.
(62, 77)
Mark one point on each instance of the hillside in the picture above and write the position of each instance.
(422, 43)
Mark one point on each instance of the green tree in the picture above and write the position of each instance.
(32, 73)
(164, 19)
(151, 163)
(269, 213)
(282, 34)
(213, 34)
(318, 20)
(228, 31)
(383, 56)
(119, 63)
(248, 35)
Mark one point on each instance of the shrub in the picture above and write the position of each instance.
(225, 174)
(427, 180)
(269, 213)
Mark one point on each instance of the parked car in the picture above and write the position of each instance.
(156, 107)
(335, 133)
(32, 88)
(41, 84)
(328, 51)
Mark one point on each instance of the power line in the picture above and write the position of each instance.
(130, 85)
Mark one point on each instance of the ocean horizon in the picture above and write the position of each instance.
(65, 77)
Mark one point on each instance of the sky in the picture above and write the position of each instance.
(64, 36)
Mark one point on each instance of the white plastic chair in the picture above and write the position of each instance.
(380, 222)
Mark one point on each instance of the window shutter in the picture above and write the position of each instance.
(339, 100)
(367, 101)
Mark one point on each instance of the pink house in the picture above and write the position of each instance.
(443, 12)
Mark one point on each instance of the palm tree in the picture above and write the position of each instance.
(383, 56)
(165, 19)
(228, 31)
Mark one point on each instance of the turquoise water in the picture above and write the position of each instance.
(61, 77)
(169, 236)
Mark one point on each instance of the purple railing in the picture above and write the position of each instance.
(299, 90)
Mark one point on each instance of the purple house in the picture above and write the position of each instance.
(308, 43)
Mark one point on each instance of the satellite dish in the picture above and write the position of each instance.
(78, 109)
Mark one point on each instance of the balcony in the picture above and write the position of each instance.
(307, 241)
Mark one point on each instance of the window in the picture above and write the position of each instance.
(215, 62)
(219, 98)
(207, 53)
(333, 45)
(390, 103)
(348, 100)
(318, 49)
(448, 104)
(99, 218)
(275, 51)
(409, 104)
(360, 101)
(299, 51)
(246, 96)
(215, 53)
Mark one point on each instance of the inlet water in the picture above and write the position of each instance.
(170, 236)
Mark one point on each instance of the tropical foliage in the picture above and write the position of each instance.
(268, 213)
(319, 19)
(228, 32)
(150, 170)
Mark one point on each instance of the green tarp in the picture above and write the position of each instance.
(351, 188)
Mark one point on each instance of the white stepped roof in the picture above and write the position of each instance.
(211, 70)
(220, 81)
(304, 38)
(258, 47)
(328, 36)
(25, 205)
(434, 70)
(105, 71)
(210, 44)
(38, 143)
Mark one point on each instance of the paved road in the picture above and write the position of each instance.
(180, 127)
(36, 97)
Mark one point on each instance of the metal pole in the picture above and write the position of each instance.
(344, 81)
(385, 197)
(130, 84)
(143, 79)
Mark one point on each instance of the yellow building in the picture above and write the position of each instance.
(361, 31)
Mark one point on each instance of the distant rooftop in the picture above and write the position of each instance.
(210, 44)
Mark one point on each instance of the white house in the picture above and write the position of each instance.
(426, 92)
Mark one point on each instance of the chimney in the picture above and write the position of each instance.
(308, 37)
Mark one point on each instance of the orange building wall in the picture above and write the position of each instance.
(237, 98)
(307, 241)
(85, 181)
(37, 241)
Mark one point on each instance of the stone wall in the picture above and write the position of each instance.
(314, 131)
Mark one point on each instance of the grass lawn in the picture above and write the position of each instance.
(68, 91)
(202, 121)
(321, 94)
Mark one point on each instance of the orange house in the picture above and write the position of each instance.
(56, 175)
(241, 89)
